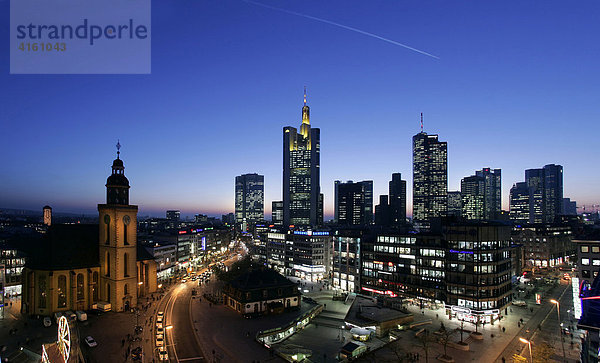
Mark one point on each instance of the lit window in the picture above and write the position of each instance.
(585, 261)
(585, 249)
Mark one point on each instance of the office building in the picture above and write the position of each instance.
(473, 197)
(228, 219)
(519, 203)
(492, 192)
(382, 212)
(544, 245)
(464, 266)
(569, 207)
(545, 193)
(454, 204)
(397, 200)
(277, 213)
(586, 289)
(481, 195)
(173, 215)
(302, 253)
(346, 259)
(354, 203)
(302, 200)
(430, 178)
(249, 199)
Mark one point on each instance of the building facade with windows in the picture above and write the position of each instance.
(302, 200)
(354, 203)
(302, 253)
(249, 199)
(346, 260)
(464, 266)
(430, 178)
(544, 245)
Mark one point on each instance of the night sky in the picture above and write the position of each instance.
(516, 86)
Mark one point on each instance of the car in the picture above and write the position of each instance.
(162, 355)
(183, 281)
(519, 303)
(47, 321)
(159, 319)
(81, 315)
(139, 329)
(160, 341)
(160, 330)
(71, 316)
(159, 325)
(90, 342)
(160, 313)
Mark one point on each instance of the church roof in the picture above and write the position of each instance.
(64, 247)
(67, 247)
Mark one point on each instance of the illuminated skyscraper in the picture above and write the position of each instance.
(354, 202)
(473, 197)
(519, 203)
(546, 193)
(249, 199)
(481, 195)
(492, 192)
(302, 200)
(430, 177)
(454, 204)
(277, 212)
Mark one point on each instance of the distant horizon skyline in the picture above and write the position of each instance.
(510, 90)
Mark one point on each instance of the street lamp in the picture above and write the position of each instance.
(555, 302)
(523, 340)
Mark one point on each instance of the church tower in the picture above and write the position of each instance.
(118, 242)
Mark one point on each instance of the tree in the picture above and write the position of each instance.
(425, 341)
(444, 339)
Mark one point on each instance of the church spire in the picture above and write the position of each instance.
(118, 148)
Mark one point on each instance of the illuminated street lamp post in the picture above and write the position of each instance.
(523, 340)
(562, 341)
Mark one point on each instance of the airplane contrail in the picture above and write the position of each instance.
(342, 26)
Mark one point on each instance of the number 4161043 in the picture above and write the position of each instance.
(42, 47)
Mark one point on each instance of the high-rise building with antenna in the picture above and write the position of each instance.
(302, 199)
(430, 177)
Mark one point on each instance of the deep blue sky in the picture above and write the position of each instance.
(516, 87)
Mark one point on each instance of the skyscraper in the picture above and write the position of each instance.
(492, 200)
(354, 202)
(454, 204)
(249, 199)
(473, 197)
(481, 194)
(397, 190)
(277, 212)
(382, 212)
(430, 177)
(553, 191)
(301, 176)
(519, 203)
(546, 193)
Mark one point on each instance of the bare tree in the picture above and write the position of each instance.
(425, 341)
(445, 336)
